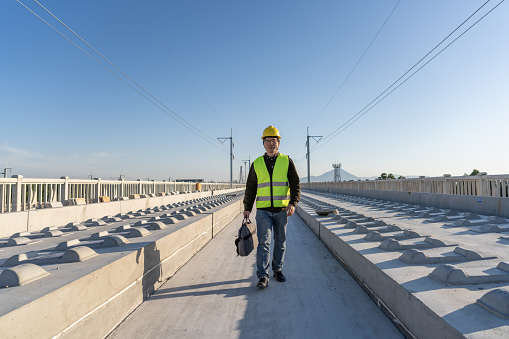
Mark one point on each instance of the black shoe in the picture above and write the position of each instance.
(263, 282)
(279, 276)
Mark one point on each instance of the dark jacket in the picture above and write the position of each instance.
(252, 185)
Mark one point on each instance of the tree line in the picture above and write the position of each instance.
(385, 176)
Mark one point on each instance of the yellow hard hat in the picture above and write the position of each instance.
(271, 131)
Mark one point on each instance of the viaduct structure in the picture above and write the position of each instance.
(415, 258)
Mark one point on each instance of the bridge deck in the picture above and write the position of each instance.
(214, 296)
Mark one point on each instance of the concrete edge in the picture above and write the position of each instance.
(495, 206)
(37, 219)
(408, 313)
(94, 304)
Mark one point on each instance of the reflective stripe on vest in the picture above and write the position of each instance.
(276, 191)
(267, 184)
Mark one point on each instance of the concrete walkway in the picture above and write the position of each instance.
(214, 296)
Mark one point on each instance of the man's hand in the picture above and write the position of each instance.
(246, 214)
(290, 209)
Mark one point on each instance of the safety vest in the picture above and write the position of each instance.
(275, 189)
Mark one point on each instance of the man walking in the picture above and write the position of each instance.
(274, 182)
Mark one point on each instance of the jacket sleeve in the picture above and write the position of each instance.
(251, 188)
(294, 181)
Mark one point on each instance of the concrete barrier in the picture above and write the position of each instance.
(496, 206)
(416, 318)
(33, 220)
(102, 291)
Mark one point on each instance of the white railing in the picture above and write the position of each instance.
(21, 194)
(479, 185)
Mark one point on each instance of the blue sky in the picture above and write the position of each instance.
(244, 65)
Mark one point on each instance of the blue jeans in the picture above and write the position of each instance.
(266, 223)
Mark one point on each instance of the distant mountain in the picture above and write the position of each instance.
(329, 176)
(345, 176)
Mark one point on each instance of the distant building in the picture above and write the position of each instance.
(189, 180)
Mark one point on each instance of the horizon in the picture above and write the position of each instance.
(235, 180)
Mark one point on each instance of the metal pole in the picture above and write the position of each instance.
(221, 140)
(308, 152)
(307, 156)
(231, 158)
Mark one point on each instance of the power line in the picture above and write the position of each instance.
(182, 121)
(308, 155)
(118, 68)
(233, 144)
(178, 64)
(408, 71)
(357, 63)
(417, 70)
(222, 140)
(173, 112)
(297, 144)
(242, 149)
(364, 110)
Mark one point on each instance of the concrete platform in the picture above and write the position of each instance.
(214, 296)
(449, 282)
(57, 294)
(443, 304)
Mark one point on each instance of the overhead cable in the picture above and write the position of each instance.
(173, 114)
(178, 64)
(355, 66)
(298, 143)
(390, 89)
(233, 135)
(182, 119)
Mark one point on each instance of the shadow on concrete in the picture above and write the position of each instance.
(468, 232)
(404, 216)
(431, 222)
(492, 270)
(343, 228)
(151, 268)
(123, 248)
(423, 284)
(480, 287)
(374, 250)
(389, 264)
(469, 327)
(503, 240)
(362, 240)
(195, 290)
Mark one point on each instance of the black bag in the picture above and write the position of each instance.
(246, 240)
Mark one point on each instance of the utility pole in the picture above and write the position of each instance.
(221, 140)
(307, 154)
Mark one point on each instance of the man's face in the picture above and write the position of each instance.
(271, 144)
